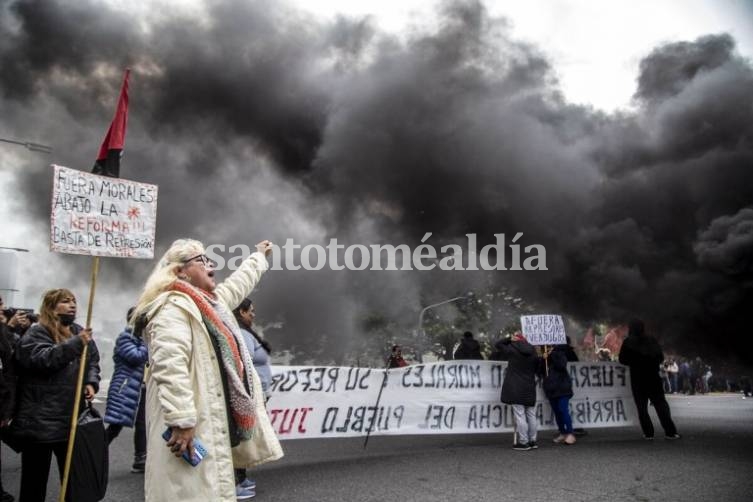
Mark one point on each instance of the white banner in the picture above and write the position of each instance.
(543, 329)
(455, 397)
(102, 216)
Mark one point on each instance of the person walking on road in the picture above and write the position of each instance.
(643, 355)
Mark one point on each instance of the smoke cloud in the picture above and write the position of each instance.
(258, 121)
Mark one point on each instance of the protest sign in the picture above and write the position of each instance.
(452, 397)
(102, 216)
(543, 329)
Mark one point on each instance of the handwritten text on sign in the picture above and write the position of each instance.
(451, 397)
(543, 329)
(101, 216)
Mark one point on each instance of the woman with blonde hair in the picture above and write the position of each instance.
(201, 383)
(47, 361)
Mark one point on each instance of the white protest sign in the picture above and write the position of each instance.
(543, 329)
(451, 397)
(102, 216)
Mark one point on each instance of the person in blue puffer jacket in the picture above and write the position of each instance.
(126, 394)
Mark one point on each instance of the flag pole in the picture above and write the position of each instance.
(80, 381)
(376, 405)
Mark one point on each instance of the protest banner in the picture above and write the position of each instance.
(543, 329)
(452, 397)
(102, 216)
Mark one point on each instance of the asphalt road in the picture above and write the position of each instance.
(712, 462)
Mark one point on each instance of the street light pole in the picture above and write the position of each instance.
(34, 147)
(8, 270)
(420, 330)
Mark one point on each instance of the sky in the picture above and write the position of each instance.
(616, 134)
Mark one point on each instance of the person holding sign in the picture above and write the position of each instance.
(644, 356)
(519, 387)
(204, 397)
(47, 359)
(558, 388)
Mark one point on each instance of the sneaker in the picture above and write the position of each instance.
(569, 439)
(139, 464)
(521, 446)
(248, 483)
(533, 445)
(673, 436)
(6, 497)
(559, 439)
(648, 438)
(244, 493)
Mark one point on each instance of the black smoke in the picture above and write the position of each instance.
(259, 121)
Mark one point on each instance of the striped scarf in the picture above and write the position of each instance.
(234, 355)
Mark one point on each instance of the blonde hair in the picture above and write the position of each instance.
(49, 318)
(165, 272)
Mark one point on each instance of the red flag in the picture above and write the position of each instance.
(108, 160)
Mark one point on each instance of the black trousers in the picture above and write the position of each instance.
(651, 389)
(35, 469)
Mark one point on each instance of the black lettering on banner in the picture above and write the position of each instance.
(598, 411)
(276, 378)
(608, 373)
(620, 410)
(318, 379)
(419, 370)
(485, 416)
(291, 379)
(584, 373)
(596, 375)
(609, 411)
(304, 376)
(621, 375)
(362, 418)
(363, 383)
(357, 377)
(475, 376)
(596, 405)
(404, 381)
(358, 418)
(438, 417)
(452, 373)
(333, 374)
(496, 376)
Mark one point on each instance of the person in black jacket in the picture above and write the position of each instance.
(519, 387)
(558, 388)
(47, 359)
(7, 383)
(469, 348)
(644, 355)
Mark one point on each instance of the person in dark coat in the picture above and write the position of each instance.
(558, 388)
(469, 348)
(519, 387)
(127, 392)
(7, 383)
(643, 355)
(47, 359)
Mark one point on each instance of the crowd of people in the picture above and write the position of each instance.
(192, 374)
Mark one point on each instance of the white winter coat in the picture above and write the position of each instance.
(184, 389)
